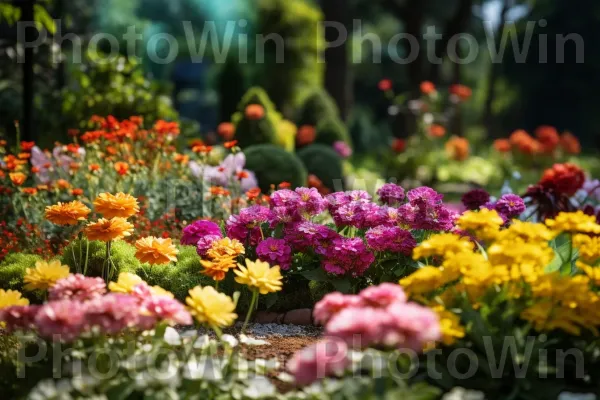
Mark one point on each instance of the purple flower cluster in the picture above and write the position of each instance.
(391, 194)
(275, 252)
(246, 227)
(348, 256)
(426, 211)
(198, 230)
(79, 306)
(475, 199)
(509, 206)
(342, 149)
(391, 238)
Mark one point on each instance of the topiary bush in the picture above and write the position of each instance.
(12, 271)
(256, 131)
(316, 107)
(323, 162)
(122, 254)
(273, 165)
(332, 130)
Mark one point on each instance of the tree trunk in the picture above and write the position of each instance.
(337, 71)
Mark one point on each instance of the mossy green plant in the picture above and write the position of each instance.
(122, 255)
(323, 162)
(12, 271)
(273, 165)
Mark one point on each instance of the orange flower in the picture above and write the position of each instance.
(548, 138)
(218, 191)
(77, 192)
(564, 178)
(218, 268)
(502, 145)
(74, 166)
(314, 182)
(17, 178)
(463, 92)
(230, 144)
(226, 130)
(24, 156)
(284, 185)
(570, 143)
(94, 167)
(106, 230)
(120, 205)
(121, 168)
(202, 149)
(63, 184)
(2, 143)
(242, 175)
(67, 213)
(427, 88)
(253, 194)
(27, 146)
(457, 148)
(519, 136)
(399, 145)
(35, 170)
(306, 135)
(111, 150)
(182, 159)
(42, 187)
(255, 112)
(163, 127)
(530, 147)
(437, 131)
(153, 250)
(29, 191)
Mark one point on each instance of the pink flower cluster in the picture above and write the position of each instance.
(378, 317)
(201, 234)
(78, 305)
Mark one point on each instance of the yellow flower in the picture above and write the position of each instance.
(258, 274)
(428, 279)
(125, 283)
(527, 231)
(519, 252)
(10, 298)
(443, 244)
(158, 291)
(18, 178)
(575, 222)
(218, 268)
(67, 213)
(589, 247)
(449, 325)
(120, 205)
(153, 250)
(484, 223)
(44, 275)
(108, 229)
(225, 247)
(211, 307)
(592, 272)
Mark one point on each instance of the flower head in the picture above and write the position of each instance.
(474, 199)
(260, 276)
(576, 222)
(125, 283)
(275, 252)
(391, 194)
(342, 149)
(63, 320)
(225, 247)
(218, 267)
(199, 229)
(67, 213)
(120, 205)
(10, 298)
(391, 238)
(211, 307)
(327, 357)
(510, 206)
(154, 250)
(563, 178)
(485, 223)
(17, 178)
(113, 313)
(77, 287)
(106, 230)
(44, 275)
(163, 308)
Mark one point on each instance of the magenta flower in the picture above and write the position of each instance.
(332, 304)
(310, 201)
(77, 287)
(62, 320)
(275, 252)
(348, 256)
(391, 194)
(204, 244)
(246, 227)
(18, 318)
(474, 199)
(284, 198)
(342, 149)
(199, 229)
(329, 357)
(336, 200)
(510, 206)
(391, 238)
(113, 313)
(424, 194)
(359, 327)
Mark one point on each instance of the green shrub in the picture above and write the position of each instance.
(332, 130)
(318, 290)
(317, 106)
(273, 165)
(12, 271)
(122, 254)
(323, 162)
(249, 132)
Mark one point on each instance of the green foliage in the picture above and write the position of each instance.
(264, 130)
(317, 106)
(179, 277)
(273, 165)
(319, 289)
(332, 130)
(122, 254)
(232, 84)
(12, 271)
(323, 162)
(297, 22)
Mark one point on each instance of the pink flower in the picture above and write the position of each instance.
(275, 252)
(383, 295)
(162, 308)
(359, 327)
(416, 324)
(18, 317)
(63, 320)
(333, 303)
(77, 287)
(328, 357)
(113, 313)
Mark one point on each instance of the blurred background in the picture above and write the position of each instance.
(356, 90)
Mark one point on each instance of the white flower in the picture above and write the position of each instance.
(172, 337)
(259, 387)
(202, 342)
(230, 341)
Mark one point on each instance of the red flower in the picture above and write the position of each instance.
(384, 85)
(548, 138)
(399, 145)
(27, 146)
(230, 144)
(306, 135)
(427, 88)
(226, 130)
(463, 92)
(255, 112)
(121, 168)
(564, 179)
(284, 185)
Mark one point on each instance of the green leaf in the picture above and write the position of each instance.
(317, 275)
(271, 299)
(342, 285)
(561, 261)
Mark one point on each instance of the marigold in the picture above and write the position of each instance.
(259, 275)
(122, 168)
(255, 112)
(443, 244)
(225, 247)
(588, 246)
(153, 250)
(67, 213)
(10, 298)
(217, 268)
(109, 229)
(125, 283)
(450, 325)
(44, 275)
(211, 307)
(574, 222)
(458, 148)
(120, 205)
(485, 223)
(17, 178)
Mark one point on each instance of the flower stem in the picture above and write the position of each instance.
(250, 309)
(87, 256)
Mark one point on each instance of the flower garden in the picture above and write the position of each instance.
(320, 231)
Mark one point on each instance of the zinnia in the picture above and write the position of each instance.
(17, 178)
(328, 357)
(259, 275)
(10, 298)
(109, 229)
(67, 213)
(120, 205)
(218, 267)
(125, 283)
(153, 250)
(77, 287)
(44, 275)
(211, 307)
